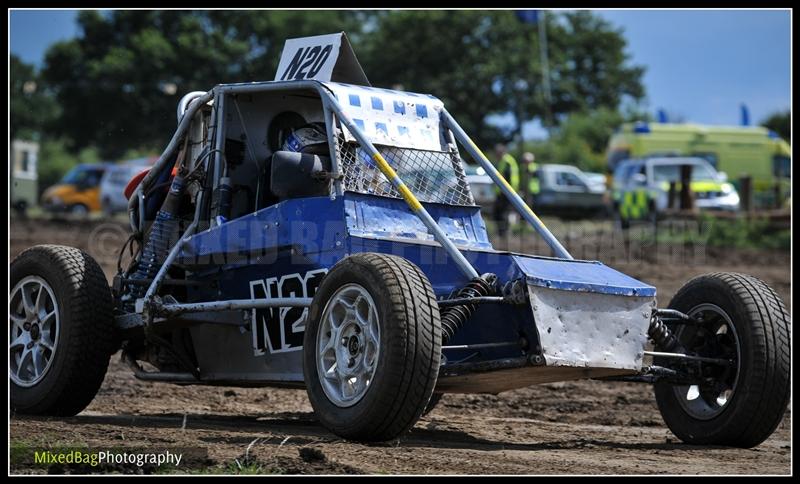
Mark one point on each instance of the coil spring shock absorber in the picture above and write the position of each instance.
(454, 317)
(163, 234)
(661, 335)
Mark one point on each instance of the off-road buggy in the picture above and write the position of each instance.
(310, 233)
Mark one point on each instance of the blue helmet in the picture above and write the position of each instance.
(310, 138)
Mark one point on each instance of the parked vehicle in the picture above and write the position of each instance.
(24, 175)
(112, 185)
(598, 179)
(481, 185)
(309, 262)
(78, 192)
(566, 190)
(736, 150)
(641, 187)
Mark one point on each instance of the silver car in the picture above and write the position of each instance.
(112, 199)
(481, 185)
(566, 190)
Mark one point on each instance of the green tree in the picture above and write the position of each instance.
(582, 137)
(120, 80)
(588, 68)
(31, 107)
(485, 63)
(452, 55)
(265, 32)
(781, 123)
(593, 71)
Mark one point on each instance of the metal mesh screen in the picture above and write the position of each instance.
(433, 176)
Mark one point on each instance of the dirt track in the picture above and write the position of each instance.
(586, 427)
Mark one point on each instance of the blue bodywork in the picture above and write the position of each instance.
(287, 247)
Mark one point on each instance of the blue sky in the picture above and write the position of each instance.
(32, 31)
(701, 65)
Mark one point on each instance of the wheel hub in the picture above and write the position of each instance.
(34, 328)
(715, 338)
(354, 345)
(348, 345)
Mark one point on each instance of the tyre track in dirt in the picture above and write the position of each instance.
(583, 427)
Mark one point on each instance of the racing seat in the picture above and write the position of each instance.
(299, 162)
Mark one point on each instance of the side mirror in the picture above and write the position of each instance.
(639, 179)
(723, 176)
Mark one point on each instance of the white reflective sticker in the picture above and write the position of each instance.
(309, 58)
(392, 118)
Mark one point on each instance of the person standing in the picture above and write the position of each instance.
(530, 182)
(508, 168)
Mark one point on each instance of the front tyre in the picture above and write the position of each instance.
(60, 331)
(372, 347)
(745, 321)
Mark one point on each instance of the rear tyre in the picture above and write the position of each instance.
(745, 321)
(61, 334)
(372, 347)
